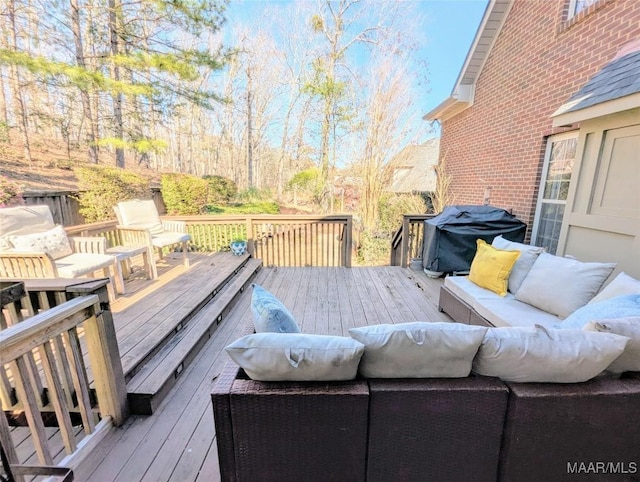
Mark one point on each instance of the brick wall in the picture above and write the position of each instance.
(537, 62)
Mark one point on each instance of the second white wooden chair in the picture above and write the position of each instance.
(140, 224)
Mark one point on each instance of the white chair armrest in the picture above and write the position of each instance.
(134, 235)
(173, 226)
(88, 244)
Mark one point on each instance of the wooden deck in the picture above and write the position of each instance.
(177, 442)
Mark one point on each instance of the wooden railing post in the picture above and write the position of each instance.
(347, 241)
(104, 356)
(404, 245)
(250, 243)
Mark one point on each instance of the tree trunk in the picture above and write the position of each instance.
(16, 88)
(249, 136)
(115, 74)
(84, 94)
(4, 109)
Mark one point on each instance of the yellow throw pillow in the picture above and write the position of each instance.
(491, 267)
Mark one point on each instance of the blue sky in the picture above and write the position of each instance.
(450, 26)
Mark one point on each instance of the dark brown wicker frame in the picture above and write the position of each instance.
(460, 311)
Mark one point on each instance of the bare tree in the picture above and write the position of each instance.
(341, 27)
(20, 109)
(84, 94)
(388, 126)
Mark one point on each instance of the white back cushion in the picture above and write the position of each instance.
(418, 349)
(25, 220)
(629, 361)
(623, 284)
(528, 256)
(140, 213)
(296, 356)
(540, 355)
(560, 285)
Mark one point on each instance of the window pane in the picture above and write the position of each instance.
(582, 4)
(554, 192)
(549, 227)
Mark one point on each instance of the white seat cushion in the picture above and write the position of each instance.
(80, 264)
(511, 312)
(469, 292)
(167, 239)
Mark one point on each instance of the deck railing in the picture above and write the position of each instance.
(278, 240)
(406, 244)
(59, 364)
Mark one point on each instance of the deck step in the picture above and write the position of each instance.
(140, 341)
(154, 380)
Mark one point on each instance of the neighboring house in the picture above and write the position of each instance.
(544, 119)
(413, 169)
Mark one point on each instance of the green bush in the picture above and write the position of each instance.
(183, 194)
(221, 189)
(102, 187)
(391, 207)
(305, 180)
(373, 250)
(253, 194)
(256, 207)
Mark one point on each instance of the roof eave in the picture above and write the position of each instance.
(562, 117)
(461, 100)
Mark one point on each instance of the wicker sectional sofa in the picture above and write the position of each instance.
(446, 429)
(474, 428)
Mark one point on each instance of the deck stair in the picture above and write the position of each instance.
(158, 344)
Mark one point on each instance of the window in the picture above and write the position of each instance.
(552, 198)
(577, 6)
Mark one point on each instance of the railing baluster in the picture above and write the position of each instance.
(79, 377)
(57, 396)
(6, 442)
(27, 396)
(63, 368)
(5, 390)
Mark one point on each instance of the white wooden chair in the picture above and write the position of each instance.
(33, 246)
(140, 224)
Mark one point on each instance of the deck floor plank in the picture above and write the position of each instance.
(420, 294)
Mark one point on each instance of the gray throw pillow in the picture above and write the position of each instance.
(269, 314)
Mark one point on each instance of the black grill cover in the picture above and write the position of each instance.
(450, 237)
